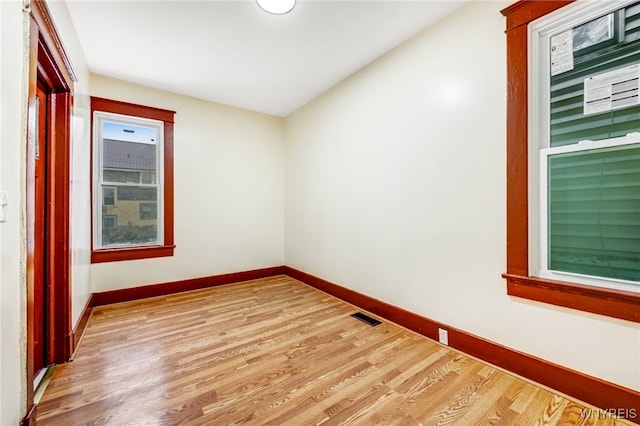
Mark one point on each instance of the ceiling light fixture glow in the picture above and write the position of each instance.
(277, 7)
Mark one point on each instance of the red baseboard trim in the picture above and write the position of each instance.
(142, 292)
(586, 388)
(30, 418)
(81, 325)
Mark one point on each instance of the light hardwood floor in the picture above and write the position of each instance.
(278, 352)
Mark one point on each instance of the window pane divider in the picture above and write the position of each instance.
(137, 185)
(629, 138)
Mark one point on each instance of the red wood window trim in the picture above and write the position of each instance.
(612, 303)
(142, 252)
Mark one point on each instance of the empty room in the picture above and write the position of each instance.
(307, 212)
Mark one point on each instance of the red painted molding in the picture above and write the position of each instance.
(81, 325)
(519, 282)
(59, 229)
(619, 304)
(131, 253)
(30, 418)
(578, 385)
(135, 293)
(126, 108)
(524, 11)
(49, 34)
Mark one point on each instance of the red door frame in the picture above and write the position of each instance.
(40, 328)
(49, 63)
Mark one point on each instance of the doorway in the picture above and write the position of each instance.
(48, 248)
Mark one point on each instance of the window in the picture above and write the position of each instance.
(108, 196)
(585, 123)
(573, 193)
(148, 211)
(147, 178)
(132, 181)
(109, 221)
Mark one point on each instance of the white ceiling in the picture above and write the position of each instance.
(232, 52)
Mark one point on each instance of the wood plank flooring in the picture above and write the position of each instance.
(278, 352)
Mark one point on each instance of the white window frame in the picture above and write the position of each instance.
(99, 183)
(539, 81)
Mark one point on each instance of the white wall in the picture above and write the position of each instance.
(395, 187)
(12, 241)
(229, 171)
(13, 88)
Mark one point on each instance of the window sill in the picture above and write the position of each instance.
(131, 253)
(613, 303)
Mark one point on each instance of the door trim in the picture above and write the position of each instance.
(49, 62)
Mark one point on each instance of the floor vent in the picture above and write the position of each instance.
(366, 319)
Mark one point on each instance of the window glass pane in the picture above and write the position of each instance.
(109, 196)
(148, 211)
(133, 216)
(594, 212)
(604, 45)
(129, 153)
(593, 32)
(109, 221)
